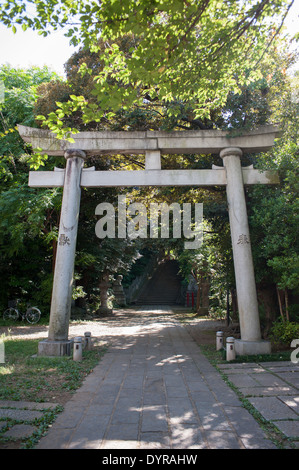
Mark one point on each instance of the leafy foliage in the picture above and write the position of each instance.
(28, 218)
(181, 52)
(157, 65)
(284, 332)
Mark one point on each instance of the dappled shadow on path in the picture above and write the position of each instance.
(156, 390)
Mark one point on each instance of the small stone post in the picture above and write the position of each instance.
(77, 352)
(230, 349)
(219, 340)
(57, 343)
(88, 345)
(250, 342)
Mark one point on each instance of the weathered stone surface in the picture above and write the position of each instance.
(92, 179)
(30, 405)
(22, 415)
(243, 263)
(54, 348)
(244, 348)
(100, 143)
(20, 431)
(289, 428)
(272, 408)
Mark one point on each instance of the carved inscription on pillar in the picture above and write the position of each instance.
(243, 240)
(64, 240)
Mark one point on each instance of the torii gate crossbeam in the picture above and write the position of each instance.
(153, 144)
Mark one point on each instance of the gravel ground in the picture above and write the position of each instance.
(122, 322)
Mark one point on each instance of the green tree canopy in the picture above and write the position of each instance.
(28, 220)
(194, 51)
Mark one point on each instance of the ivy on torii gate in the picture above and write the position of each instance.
(153, 144)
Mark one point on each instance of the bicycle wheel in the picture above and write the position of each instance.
(33, 315)
(11, 314)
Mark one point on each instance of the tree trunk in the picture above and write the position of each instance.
(280, 304)
(286, 299)
(205, 301)
(198, 297)
(266, 297)
(234, 304)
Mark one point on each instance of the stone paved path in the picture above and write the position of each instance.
(154, 389)
(273, 389)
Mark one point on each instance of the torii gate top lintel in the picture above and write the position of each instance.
(138, 142)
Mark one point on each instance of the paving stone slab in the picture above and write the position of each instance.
(154, 440)
(222, 440)
(125, 417)
(281, 371)
(229, 370)
(239, 365)
(242, 380)
(177, 392)
(291, 378)
(89, 429)
(269, 380)
(29, 405)
(187, 438)
(279, 365)
(291, 402)
(3, 424)
(214, 419)
(127, 432)
(20, 431)
(21, 415)
(272, 408)
(197, 386)
(289, 428)
(57, 440)
(247, 428)
(267, 391)
(117, 444)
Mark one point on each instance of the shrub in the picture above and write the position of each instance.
(284, 332)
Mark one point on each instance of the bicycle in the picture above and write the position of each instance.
(32, 314)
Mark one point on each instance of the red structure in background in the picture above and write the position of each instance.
(192, 299)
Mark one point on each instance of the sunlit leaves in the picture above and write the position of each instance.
(195, 51)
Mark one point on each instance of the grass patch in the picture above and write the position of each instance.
(41, 379)
(44, 320)
(219, 357)
(24, 377)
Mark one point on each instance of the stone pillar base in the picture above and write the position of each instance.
(55, 348)
(244, 348)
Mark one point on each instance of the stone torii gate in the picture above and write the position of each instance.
(153, 144)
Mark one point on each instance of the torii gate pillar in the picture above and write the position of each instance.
(250, 342)
(58, 343)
